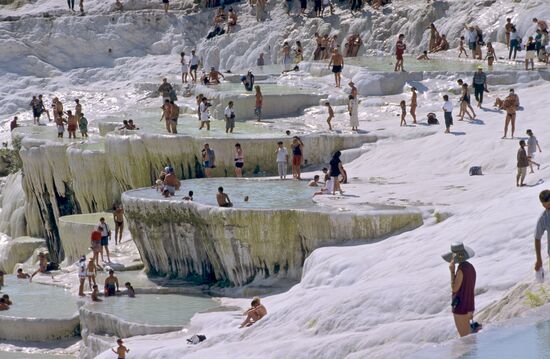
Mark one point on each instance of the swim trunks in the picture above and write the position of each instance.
(170, 189)
(111, 289)
(207, 164)
(258, 111)
(337, 69)
(60, 129)
(194, 67)
(71, 128)
(239, 164)
(105, 240)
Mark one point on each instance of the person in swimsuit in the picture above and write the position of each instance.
(83, 126)
(171, 184)
(318, 51)
(463, 282)
(118, 216)
(184, 68)
(42, 265)
(208, 159)
(174, 115)
(111, 284)
(95, 294)
(465, 103)
(336, 169)
(166, 114)
(490, 56)
(461, 49)
(21, 274)
(297, 151)
(223, 199)
(413, 103)
(43, 108)
(60, 124)
(121, 350)
(72, 124)
(324, 47)
(337, 63)
(91, 272)
(14, 124)
(130, 290)
(400, 48)
(239, 160)
(3, 304)
(259, 103)
(256, 312)
(330, 115)
(214, 76)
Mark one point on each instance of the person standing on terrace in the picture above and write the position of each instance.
(282, 159)
(105, 234)
(118, 217)
(479, 82)
(543, 225)
(193, 65)
(239, 160)
(463, 282)
(208, 159)
(259, 103)
(337, 63)
(297, 156)
(204, 114)
(507, 29)
(166, 114)
(164, 89)
(400, 48)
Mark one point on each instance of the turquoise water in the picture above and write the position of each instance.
(514, 342)
(50, 133)
(165, 309)
(266, 88)
(148, 121)
(387, 63)
(274, 194)
(33, 300)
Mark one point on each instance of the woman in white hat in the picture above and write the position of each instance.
(463, 282)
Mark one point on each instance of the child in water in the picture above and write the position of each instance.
(403, 106)
(130, 290)
(95, 294)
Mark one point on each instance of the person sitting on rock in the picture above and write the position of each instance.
(443, 45)
(256, 312)
(42, 265)
(231, 19)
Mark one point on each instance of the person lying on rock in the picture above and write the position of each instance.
(256, 312)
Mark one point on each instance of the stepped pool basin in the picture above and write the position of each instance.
(39, 313)
(33, 300)
(153, 309)
(273, 194)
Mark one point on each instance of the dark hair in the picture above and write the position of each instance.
(522, 142)
(324, 169)
(220, 189)
(182, 53)
(280, 142)
(446, 98)
(316, 177)
(111, 271)
(544, 196)
(237, 144)
(190, 193)
(19, 270)
(102, 219)
(337, 154)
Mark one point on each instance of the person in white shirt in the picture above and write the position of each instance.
(204, 114)
(471, 35)
(282, 159)
(448, 113)
(229, 115)
(193, 65)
